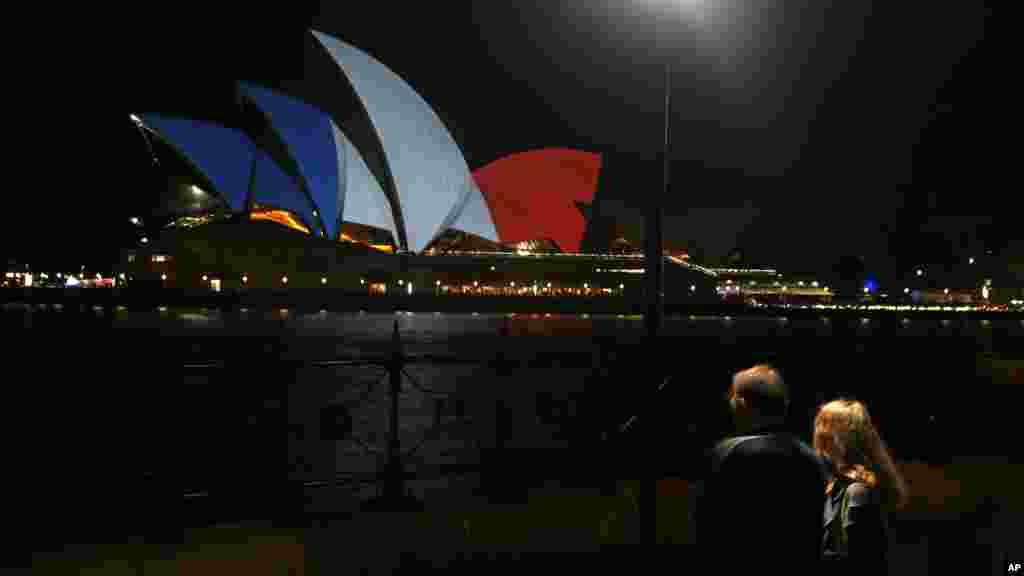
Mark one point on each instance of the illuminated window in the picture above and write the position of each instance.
(131, 258)
(160, 258)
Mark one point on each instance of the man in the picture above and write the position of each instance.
(761, 502)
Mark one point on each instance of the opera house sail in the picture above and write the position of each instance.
(434, 186)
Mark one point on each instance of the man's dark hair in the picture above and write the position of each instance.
(763, 387)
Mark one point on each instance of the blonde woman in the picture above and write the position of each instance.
(865, 483)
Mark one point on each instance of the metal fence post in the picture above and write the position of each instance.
(394, 486)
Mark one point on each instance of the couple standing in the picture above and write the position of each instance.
(770, 500)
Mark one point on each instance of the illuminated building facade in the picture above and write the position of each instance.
(514, 227)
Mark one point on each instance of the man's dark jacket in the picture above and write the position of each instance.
(761, 502)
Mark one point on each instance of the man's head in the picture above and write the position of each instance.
(758, 398)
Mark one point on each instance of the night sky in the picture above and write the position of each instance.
(801, 130)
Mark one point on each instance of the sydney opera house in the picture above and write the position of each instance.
(242, 201)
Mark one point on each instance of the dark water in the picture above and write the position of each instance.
(112, 407)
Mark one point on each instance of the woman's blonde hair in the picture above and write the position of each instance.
(843, 432)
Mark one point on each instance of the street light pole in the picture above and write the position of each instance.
(654, 261)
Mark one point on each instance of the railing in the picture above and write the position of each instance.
(391, 475)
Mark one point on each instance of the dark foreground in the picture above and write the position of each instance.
(112, 431)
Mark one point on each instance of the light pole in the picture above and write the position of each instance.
(654, 263)
(667, 14)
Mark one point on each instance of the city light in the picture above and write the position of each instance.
(971, 260)
(906, 290)
(205, 278)
(693, 287)
(135, 220)
(245, 279)
(323, 280)
(196, 191)
(284, 280)
(163, 276)
(920, 272)
(144, 240)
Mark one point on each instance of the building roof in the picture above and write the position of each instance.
(536, 194)
(432, 180)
